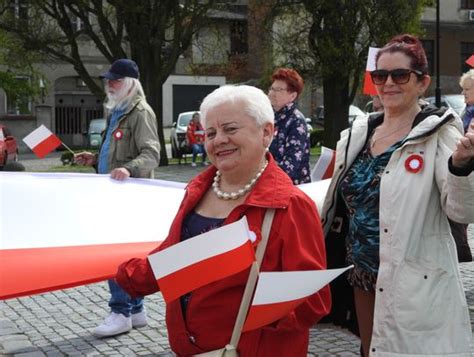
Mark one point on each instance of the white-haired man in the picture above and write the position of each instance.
(130, 148)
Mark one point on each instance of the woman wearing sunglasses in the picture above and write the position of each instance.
(398, 175)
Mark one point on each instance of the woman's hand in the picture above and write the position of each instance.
(464, 152)
(85, 158)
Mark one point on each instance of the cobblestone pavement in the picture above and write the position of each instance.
(60, 323)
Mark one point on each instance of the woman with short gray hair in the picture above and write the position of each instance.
(467, 84)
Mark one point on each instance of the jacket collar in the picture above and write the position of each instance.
(428, 120)
(286, 110)
(271, 189)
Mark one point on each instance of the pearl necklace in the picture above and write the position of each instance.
(235, 195)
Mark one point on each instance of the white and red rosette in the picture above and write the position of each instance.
(118, 134)
(414, 163)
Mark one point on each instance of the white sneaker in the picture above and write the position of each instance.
(114, 324)
(139, 319)
(193, 164)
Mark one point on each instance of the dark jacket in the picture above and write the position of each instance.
(290, 145)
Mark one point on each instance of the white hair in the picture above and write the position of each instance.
(468, 75)
(131, 87)
(255, 102)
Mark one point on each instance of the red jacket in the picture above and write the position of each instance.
(195, 133)
(296, 243)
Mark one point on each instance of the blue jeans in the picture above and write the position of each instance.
(198, 149)
(121, 303)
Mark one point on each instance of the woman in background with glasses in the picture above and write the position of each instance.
(290, 145)
(398, 175)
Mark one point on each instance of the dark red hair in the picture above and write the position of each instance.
(292, 79)
(411, 47)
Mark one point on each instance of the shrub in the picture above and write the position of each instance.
(316, 137)
(67, 158)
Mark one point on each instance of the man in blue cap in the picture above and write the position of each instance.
(130, 148)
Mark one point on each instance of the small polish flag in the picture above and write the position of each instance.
(42, 141)
(369, 87)
(324, 168)
(470, 61)
(203, 259)
(279, 293)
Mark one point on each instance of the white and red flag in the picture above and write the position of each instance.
(203, 259)
(324, 168)
(64, 230)
(470, 61)
(279, 293)
(369, 87)
(316, 191)
(42, 141)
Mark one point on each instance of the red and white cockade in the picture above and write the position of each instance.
(414, 163)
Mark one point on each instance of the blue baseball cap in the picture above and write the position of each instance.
(122, 68)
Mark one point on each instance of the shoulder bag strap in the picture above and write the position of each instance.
(252, 280)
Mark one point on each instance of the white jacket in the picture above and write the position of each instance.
(420, 305)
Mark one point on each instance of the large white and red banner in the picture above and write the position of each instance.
(279, 293)
(65, 230)
(206, 258)
(42, 141)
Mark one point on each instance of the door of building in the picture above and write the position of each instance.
(188, 97)
(73, 113)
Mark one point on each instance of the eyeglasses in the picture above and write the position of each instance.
(277, 89)
(399, 75)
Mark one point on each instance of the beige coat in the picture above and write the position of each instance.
(420, 307)
(138, 149)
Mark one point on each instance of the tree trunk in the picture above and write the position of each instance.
(154, 93)
(336, 102)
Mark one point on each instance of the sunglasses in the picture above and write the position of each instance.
(399, 75)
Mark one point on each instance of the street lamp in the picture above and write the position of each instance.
(438, 88)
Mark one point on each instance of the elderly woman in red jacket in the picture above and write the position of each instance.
(238, 121)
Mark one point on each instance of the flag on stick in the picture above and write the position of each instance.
(324, 168)
(369, 87)
(42, 141)
(203, 259)
(279, 293)
(470, 61)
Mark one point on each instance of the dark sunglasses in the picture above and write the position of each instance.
(399, 75)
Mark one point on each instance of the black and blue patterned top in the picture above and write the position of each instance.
(290, 145)
(360, 189)
(193, 225)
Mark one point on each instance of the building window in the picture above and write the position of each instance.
(77, 23)
(238, 37)
(19, 103)
(467, 50)
(467, 4)
(19, 8)
(428, 45)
